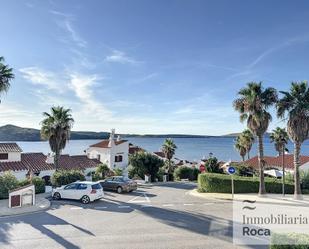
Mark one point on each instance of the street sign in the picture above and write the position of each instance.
(231, 170)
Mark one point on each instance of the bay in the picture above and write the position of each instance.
(192, 149)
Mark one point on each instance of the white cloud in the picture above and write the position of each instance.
(38, 76)
(82, 87)
(120, 57)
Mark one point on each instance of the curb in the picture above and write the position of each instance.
(195, 193)
(30, 212)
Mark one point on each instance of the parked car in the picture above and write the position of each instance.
(119, 184)
(83, 191)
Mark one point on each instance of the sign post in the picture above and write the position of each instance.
(231, 170)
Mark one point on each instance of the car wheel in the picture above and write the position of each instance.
(119, 190)
(57, 196)
(85, 199)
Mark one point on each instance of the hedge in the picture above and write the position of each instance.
(290, 241)
(7, 182)
(64, 177)
(38, 182)
(220, 183)
(184, 172)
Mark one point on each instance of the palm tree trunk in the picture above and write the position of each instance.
(243, 158)
(297, 190)
(248, 155)
(262, 190)
(283, 172)
(56, 160)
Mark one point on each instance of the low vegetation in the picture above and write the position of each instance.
(184, 172)
(289, 241)
(38, 182)
(219, 183)
(63, 177)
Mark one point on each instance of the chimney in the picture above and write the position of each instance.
(111, 138)
(50, 158)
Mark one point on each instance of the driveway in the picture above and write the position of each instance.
(159, 216)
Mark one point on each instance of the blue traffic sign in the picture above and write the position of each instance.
(231, 170)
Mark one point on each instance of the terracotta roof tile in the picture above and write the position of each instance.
(104, 143)
(276, 161)
(9, 147)
(37, 162)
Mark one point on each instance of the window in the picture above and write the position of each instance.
(4, 156)
(82, 186)
(99, 157)
(96, 186)
(118, 158)
(71, 187)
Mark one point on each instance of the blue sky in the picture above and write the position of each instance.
(148, 66)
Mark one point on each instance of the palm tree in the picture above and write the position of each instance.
(56, 127)
(6, 75)
(240, 147)
(295, 104)
(280, 137)
(248, 140)
(252, 104)
(168, 148)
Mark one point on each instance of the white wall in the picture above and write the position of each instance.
(12, 157)
(46, 173)
(304, 167)
(105, 155)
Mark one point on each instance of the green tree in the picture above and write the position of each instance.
(253, 104)
(6, 76)
(248, 140)
(240, 147)
(169, 148)
(212, 165)
(280, 138)
(102, 170)
(142, 163)
(56, 128)
(295, 106)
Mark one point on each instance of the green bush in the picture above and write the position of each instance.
(38, 183)
(118, 172)
(305, 179)
(160, 174)
(184, 172)
(7, 182)
(219, 183)
(64, 177)
(212, 165)
(289, 241)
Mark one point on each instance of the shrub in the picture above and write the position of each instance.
(212, 165)
(219, 183)
(102, 170)
(38, 183)
(244, 170)
(7, 182)
(118, 172)
(184, 172)
(145, 163)
(64, 177)
(289, 241)
(305, 179)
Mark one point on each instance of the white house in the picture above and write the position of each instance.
(113, 151)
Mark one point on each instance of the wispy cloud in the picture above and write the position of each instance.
(66, 23)
(38, 76)
(120, 57)
(82, 86)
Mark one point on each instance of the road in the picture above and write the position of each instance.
(159, 216)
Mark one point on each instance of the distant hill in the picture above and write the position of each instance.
(16, 133)
(236, 134)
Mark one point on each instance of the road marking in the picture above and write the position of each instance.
(134, 200)
(188, 204)
(100, 207)
(76, 208)
(208, 203)
(168, 205)
(146, 206)
(124, 207)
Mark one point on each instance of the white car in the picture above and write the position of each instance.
(84, 191)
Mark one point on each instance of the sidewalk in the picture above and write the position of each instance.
(269, 198)
(41, 204)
